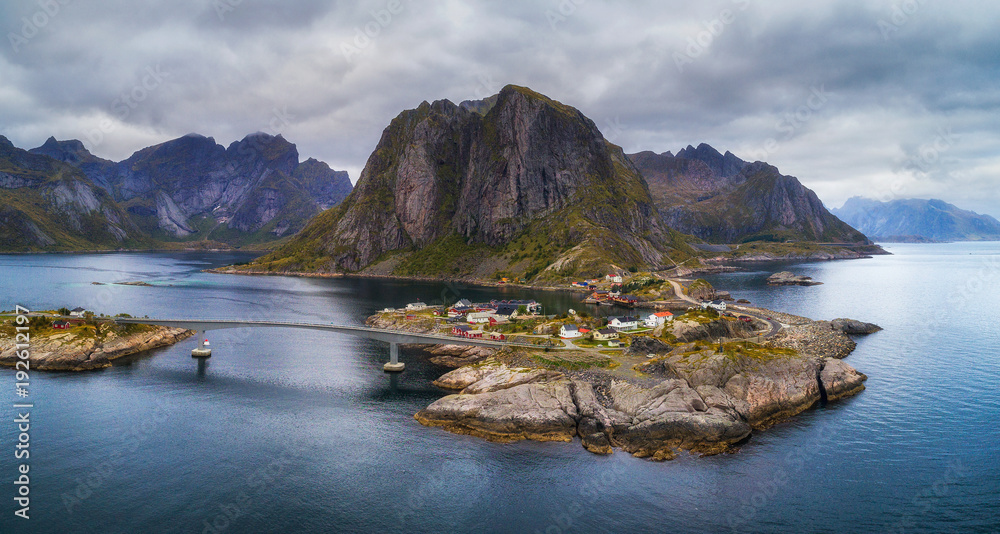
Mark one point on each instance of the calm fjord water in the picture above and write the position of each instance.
(298, 431)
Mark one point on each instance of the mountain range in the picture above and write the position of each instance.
(917, 220)
(521, 185)
(59, 196)
(514, 185)
(722, 199)
(46, 204)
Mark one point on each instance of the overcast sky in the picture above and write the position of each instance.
(880, 98)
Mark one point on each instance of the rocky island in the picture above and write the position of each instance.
(84, 345)
(788, 278)
(701, 383)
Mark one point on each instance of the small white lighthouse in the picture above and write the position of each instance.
(203, 350)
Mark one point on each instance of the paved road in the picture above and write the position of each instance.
(775, 325)
(680, 293)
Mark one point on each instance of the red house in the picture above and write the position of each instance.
(466, 331)
(61, 325)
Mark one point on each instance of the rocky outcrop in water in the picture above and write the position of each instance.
(72, 351)
(788, 278)
(854, 327)
(692, 397)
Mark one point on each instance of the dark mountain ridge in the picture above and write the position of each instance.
(517, 184)
(723, 199)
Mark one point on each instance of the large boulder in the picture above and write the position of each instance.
(542, 411)
(672, 416)
(854, 327)
(841, 380)
(788, 278)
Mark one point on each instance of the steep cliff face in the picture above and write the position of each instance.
(192, 188)
(51, 205)
(518, 184)
(917, 219)
(72, 151)
(723, 199)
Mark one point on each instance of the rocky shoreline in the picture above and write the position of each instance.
(71, 351)
(788, 278)
(659, 399)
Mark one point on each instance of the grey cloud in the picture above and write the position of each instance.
(893, 72)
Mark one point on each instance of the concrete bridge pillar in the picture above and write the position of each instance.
(203, 350)
(394, 365)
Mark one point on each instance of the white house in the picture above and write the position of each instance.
(569, 331)
(614, 278)
(605, 334)
(479, 317)
(658, 318)
(416, 306)
(626, 322)
(77, 312)
(506, 311)
(719, 305)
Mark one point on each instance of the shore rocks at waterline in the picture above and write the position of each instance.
(67, 351)
(699, 401)
(854, 327)
(788, 278)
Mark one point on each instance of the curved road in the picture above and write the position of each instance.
(775, 325)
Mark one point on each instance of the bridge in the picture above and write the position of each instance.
(392, 337)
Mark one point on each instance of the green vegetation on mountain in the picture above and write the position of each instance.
(723, 199)
(518, 185)
(188, 192)
(46, 204)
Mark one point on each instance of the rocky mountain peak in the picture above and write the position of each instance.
(70, 151)
(517, 166)
(909, 219)
(481, 107)
(721, 198)
(723, 165)
(273, 150)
